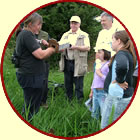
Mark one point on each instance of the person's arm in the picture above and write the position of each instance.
(44, 42)
(91, 94)
(123, 85)
(121, 70)
(44, 38)
(99, 73)
(99, 41)
(122, 66)
(106, 70)
(91, 91)
(80, 48)
(62, 41)
(33, 46)
(41, 54)
(86, 46)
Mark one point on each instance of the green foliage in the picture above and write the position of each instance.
(9, 73)
(111, 115)
(56, 22)
(61, 118)
(56, 19)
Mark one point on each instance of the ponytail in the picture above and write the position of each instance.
(18, 30)
(128, 45)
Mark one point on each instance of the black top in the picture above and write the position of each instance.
(25, 45)
(124, 72)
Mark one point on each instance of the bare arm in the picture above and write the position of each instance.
(80, 48)
(41, 54)
(91, 94)
(44, 42)
(123, 85)
(98, 71)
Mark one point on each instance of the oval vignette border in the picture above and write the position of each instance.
(2, 78)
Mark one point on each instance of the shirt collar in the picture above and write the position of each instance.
(77, 32)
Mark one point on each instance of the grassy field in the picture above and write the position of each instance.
(61, 118)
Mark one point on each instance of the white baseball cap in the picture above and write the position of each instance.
(105, 46)
(76, 19)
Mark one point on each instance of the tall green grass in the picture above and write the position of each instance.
(61, 118)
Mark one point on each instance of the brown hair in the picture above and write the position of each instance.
(107, 54)
(128, 45)
(18, 30)
(33, 18)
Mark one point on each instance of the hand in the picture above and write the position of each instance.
(123, 85)
(91, 94)
(113, 82)
(51, 49)
(54, 44)
(61, 51)
(99, 73)
(73, 47)
(45, 43)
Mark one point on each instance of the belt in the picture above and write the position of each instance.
(69, 60)
(99, 88)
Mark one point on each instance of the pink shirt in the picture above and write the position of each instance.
(98, 82)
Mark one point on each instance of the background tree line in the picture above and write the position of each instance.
(56, 22)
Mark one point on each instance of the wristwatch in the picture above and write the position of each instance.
(40, 41)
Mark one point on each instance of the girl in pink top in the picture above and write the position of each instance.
(97, 93)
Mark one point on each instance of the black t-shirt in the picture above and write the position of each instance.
(25, 45)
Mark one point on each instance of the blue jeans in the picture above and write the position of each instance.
(119, 104)
(98, 99)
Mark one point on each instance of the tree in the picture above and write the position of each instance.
(56, 21)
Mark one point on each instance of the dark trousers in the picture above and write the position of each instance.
(135, 78)
(33, 91)
(45, 89)
(32, 100)
(70, 80)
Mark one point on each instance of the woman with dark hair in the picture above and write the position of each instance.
(97, 92)
(119, 83)
(31, 69)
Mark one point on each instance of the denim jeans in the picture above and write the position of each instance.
(119, 104)
(98, 99)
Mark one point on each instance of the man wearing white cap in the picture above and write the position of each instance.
(74, 59)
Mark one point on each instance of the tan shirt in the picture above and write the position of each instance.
(104, 39)
(72, 39)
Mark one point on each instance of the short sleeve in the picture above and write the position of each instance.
(64, 39)
(121, 67)
(86, 41)
(99, 40)
(30, 42)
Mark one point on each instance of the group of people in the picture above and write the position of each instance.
(112, 84)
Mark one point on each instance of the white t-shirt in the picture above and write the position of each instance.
(104, 39)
